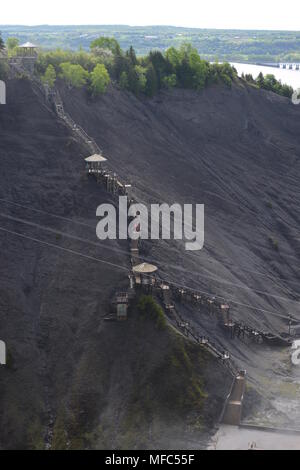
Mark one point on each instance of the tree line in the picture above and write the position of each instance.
(270, 83)
(105, 62)
(145, 75)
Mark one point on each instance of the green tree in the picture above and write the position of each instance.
(123, 82)
(2, 45)
(249, 78)
(133, 80)
(151, 86)
(199, 70)
(74, 74)
(49, 77)
(260, 80)
(131, 55)
(173, 57)
(12, 43)
(121, 64)
(161, 66)
(106, 43)
(185, 74)
(170, 81)
(141, 78)
(3, 64)
(100, 79)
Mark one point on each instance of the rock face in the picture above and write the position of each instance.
(52, 301)
(236, 151)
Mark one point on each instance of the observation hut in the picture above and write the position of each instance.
(25, 58)
(94, 164)
(27, 50)
(144, 274)
(225, 314)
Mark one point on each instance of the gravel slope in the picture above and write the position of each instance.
(67, 369)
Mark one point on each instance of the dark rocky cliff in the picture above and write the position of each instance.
(72, 379)
(237, 151)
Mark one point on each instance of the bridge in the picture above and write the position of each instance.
(281, 65)
(289, 66)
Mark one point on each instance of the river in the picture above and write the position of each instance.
(290, 77)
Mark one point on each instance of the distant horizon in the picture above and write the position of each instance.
(192, 14)
(91, 25)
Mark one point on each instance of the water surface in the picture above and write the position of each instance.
(290, 77)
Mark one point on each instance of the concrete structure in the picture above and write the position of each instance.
(121, 302)
(233, 407)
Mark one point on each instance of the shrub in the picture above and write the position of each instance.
(148, 308)
(170, 81)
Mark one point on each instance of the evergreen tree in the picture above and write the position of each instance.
(132, 56)
(2, 45)
(260, 80)
(161, 66)
(185, 74)
(133, 80)
(123, 82)
(151, 81)
(141, 78)
(121, 64)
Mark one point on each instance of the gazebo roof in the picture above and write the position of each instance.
(95, 158)
(28, 45)
(144, 268)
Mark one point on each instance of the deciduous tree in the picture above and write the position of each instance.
(49, 77)
(99, 79)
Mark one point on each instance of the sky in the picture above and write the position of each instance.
(220, 14)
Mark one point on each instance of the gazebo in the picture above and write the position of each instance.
(94, 163)
(27, 49)
(144, 273)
